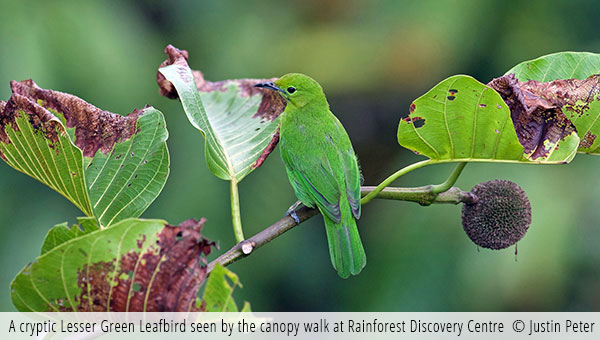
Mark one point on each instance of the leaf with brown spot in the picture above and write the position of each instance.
(136, 265)
(536, 112)
(568, 80)
(238, 120)
(461, 119)
(35, 142)
(111, 167)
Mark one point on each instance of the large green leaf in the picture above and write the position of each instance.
(111, 167)
(584, 112)
(136, 265)
(461, 119)
(238, 121)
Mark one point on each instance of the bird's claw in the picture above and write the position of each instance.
(291, 212)
(293, 215)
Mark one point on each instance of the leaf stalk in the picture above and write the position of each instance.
(439, 188)
(393, 177)
(236, 217)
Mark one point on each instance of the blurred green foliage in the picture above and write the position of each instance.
(372, 58)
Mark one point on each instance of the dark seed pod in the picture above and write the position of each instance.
(500, 217)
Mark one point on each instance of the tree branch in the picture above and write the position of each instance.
(423, 195)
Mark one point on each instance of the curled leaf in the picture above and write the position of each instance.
(95, 129)
(110, 166)
(271, 105)
(238, 120)
(35, 142)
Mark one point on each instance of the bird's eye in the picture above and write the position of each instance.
(291, 89)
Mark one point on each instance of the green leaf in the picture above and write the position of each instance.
(584, 112)
(238, 121)
(123, 182)
(461, 119)
(587, 121)
(562, 65)
(218, 293)
(111, 167)
(246, 308)
(61, 233)
(37, 144)
(136, 265)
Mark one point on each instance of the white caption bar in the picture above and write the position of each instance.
(301, 325)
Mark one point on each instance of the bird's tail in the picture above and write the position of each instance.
(345, 247)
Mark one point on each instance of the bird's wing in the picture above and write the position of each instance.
(352, 176)
(339, 140)
(313, 180)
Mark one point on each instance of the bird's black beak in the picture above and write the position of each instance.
(269, 85)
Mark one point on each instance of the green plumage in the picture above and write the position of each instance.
(322, 167)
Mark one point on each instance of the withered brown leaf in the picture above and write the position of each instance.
(95, 129)
(537, 109)
(166, 277)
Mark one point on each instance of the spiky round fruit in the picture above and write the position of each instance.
(501, 216)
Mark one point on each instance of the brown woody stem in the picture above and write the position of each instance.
(423, 195)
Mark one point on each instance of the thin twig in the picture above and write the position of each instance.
(422, 195)
(246, 247)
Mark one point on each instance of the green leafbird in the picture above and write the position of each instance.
(321, 166)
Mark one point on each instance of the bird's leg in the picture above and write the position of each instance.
(291, 212)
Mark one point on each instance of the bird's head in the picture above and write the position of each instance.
(298, 89)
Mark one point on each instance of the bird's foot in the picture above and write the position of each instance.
(291, 212)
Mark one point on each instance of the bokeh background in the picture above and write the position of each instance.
(373, 58)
